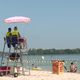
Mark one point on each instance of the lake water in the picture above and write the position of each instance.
(44, 61)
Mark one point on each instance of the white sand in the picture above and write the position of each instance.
(44, 75)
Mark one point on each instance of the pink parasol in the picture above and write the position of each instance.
(16, 19)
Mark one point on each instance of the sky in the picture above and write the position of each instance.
(54, 23)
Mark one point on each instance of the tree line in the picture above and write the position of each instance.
(53, 51)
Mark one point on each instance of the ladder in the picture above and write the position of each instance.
(15, 62)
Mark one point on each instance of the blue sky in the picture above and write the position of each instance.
(55, 23)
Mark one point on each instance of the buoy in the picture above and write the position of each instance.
(43, 57)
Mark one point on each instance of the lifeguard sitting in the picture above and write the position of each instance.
(8, 38)
(15, 36)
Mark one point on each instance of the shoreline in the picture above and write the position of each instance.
(43, 75)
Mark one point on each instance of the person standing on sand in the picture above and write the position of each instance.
(64, 65)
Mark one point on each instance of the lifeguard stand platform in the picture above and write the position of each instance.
(14, 60)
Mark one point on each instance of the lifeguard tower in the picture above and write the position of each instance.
(14, 59)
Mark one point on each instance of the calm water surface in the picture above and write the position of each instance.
(44, 61)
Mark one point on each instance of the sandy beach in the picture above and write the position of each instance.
(43, 75)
